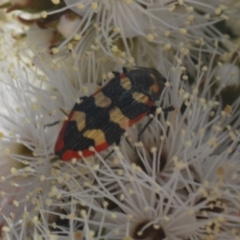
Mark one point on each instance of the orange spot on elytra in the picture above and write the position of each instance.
(95, 134)
(118, 117)
(155, 88)
(101, 100)
(80, 118)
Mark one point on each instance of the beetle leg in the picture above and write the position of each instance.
(51, 124)
(144, 128)
(117, 143)
(168, 109)
(109, 155)
(57, 122)
(152, 111)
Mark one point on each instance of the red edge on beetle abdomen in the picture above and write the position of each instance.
(70, 154)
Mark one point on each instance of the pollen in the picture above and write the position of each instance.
(44, 14)
(183, 31)
(228, 109)
(188, 143)
(183, 132)
(120, 172)
(162, 138)
(6, 229)
(167, 84)
(91, 148)
(14, 171)
(156, 226)
(83, 214)
(16, 203)
(3, 179)
(229, 150)
(180, 2)
(77, 37)
(171, 8)
(78, 235)
(168, 123)
(110, 75)
(218, 11)
(94, 6)
(114, 215)
(195, 91)
(55, 50)
(96, 167)
(48, 202)
(75, 68)
(127, 238)
(1, 135)
(150, 37)
(166, 218)
(167, 46)
(116, 51)
(203, 192)
(42, 178)
(80, 6)
(232, 136)
(158, 110)
(55, 1)
(180, 164)
(220, 172)
(122, 197)
(213, 142)
(167, 33)
(153, 150)
(117, 29)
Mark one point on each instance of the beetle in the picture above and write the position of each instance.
(101, 119)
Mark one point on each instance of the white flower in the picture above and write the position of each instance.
(141, 33)
(29, 179)
(20, 144)
(158, 21)
(24, 146)
(68, 24)
(129, 32)
(226, 70)
(40, 38)
(181, 181)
